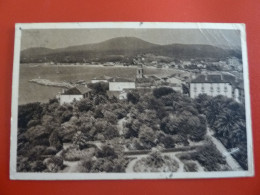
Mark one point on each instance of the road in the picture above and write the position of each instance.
(232, 163)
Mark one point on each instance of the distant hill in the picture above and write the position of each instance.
(36, 51)
(115, 44)
(122, 49)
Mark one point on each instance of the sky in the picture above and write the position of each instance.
(60, 38)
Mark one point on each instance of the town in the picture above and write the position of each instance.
(196, 79)
(149, 123)
(129, 105)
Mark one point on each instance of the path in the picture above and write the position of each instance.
(233, 164)
(71, 167)
(120, 125)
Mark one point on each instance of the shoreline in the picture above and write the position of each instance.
(46, 82)
(32, 65)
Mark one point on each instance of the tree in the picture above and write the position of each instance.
(210, 157)
(66, 116)
(99, 88)
(170, 125)
(28, 112)
(84, 105)
(55, 141)
(110, 131)
(80, 140)
(202, 102)
(133, 127)
(147, 137)
(214, 108)
(133, 97)
(196, 128)
(100, 99)
(155, 159)
(110, 117)
(168, 141)
(159, 92)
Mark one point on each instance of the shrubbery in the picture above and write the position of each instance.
(227, 118)
(208, 156)
(190, 167)
(107, 159)
(156, 162)
(161, 118)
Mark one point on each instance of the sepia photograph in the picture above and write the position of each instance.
(130, 101)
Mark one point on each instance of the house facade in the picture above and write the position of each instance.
(118, 87)
(119, 84)
(74, 94)
(214, 85)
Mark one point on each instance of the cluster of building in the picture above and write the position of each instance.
(194, 64)
(210, 84)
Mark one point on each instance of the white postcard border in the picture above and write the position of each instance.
(14, 175)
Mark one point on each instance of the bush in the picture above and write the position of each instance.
(74, 154)
(66, 116)
(156, 162)
(50, 151)
(37, 166)
(190, 167)
(37, 132)
(116, 165)
(53, 164)
(168, 141)
(106, 151)
(210, 158)
(54, 140)
(36, 152)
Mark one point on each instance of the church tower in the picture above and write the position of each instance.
(140, 72)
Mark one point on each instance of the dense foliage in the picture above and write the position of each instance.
(227, 119)
(208, 156)
(156, 162)
(99, 129)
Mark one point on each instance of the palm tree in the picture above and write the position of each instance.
(231, 126)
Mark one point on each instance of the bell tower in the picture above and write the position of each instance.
(140, 72)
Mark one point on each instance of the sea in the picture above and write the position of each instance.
(32, 92)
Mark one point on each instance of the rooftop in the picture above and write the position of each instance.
(119, 79)
(103, 77)
(214, 78)
(79, 90)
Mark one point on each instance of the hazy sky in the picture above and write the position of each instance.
(60, 38)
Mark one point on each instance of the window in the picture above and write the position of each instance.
(195, 89)
(218, 89)
(202, 88)
(211, 88)
(225, 89)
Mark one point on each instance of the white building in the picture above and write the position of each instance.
(119, 84)
(73, 94)
(119, 87)
(214, 85)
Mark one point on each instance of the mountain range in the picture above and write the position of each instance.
(122, 49)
